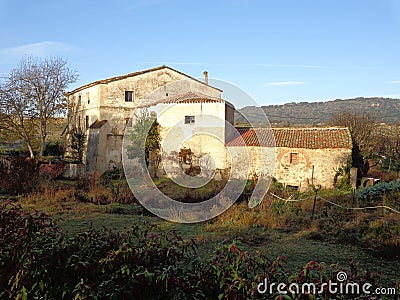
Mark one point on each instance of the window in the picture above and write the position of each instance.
(189, 119)
(88, 98)
(128, 96)
(87, 122)
(294, 158)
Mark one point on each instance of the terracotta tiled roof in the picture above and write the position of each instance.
(111, 79)
(189, 97)
(310, 138)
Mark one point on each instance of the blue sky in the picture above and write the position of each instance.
(278, 51)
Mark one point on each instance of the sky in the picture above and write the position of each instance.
(277, 51)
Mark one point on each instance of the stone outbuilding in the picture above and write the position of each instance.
(302, 155)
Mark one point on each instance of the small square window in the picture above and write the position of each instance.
(294, 158)
(189, 119)
(128, 96)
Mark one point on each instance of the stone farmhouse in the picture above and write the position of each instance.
(103, 109)
(192, 114)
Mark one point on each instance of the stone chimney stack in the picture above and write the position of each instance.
(205, 74)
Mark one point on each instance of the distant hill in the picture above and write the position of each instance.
(318, 113)
(55, 127)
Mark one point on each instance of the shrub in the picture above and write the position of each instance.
(376, 193)
(53, 149)
(52, 171)
(18, 174)
(25, 234)
(113, 174)
(38, 261)
(235, 274)
(383, 237)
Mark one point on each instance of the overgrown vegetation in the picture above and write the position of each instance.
(18, 174)
(39, 260)
(144, 262)
(145, 139)
(380, 193)
(78, 142)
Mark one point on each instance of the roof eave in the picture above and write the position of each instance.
(111, 79)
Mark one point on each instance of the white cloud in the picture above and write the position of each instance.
(394, 82)
(284, 83)
(41, 49)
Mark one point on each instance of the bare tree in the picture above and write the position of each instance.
(32, 94)
(388, 141)
(18, 117)
(361, 127)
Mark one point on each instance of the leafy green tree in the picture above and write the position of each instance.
(144, 138)
(78, 142)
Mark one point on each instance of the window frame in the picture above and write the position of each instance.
(190, 120)
(131, 97)
(294, 158)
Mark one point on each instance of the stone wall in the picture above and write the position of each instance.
(205, 137)
(106, 101)
(293, 166)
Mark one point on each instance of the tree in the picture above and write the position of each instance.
(146, 131)
(31, 95)
(78, 141)
(388, 143)
(361, 127)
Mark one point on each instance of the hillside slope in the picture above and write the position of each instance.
(315, 113)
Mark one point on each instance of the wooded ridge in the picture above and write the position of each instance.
(318, 113)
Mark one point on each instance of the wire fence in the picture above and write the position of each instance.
(335, 204)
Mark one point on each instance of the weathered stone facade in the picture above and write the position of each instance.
(312, 165)
(192, 115)
(102, 109)
(302, 156)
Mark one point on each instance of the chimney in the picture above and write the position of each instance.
(205, 74)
